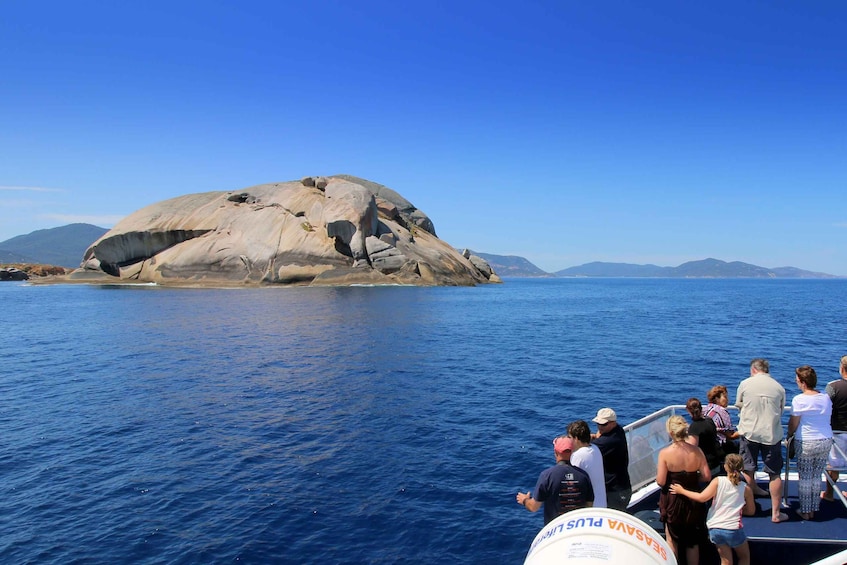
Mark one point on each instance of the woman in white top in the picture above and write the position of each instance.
(809, 422)
(732, 499)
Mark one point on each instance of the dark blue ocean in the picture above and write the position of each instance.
(348, 425)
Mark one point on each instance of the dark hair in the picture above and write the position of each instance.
(807, 376)
(716, 392)
(694, 408)
(580, 430)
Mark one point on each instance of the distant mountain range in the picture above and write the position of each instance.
(64, 246)
(514, 266)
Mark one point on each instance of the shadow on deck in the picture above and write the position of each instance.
(793, 542)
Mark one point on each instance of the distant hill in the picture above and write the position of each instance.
(512, 266)
(601, 269)
(9, 257)
(62, 246)
(795, 273)
(65, 245)
(705, 268)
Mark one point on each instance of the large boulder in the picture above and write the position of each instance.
(13, 274)
(333, 230)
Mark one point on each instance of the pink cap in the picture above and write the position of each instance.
(562, 444)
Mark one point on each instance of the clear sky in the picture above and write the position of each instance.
(562, 131)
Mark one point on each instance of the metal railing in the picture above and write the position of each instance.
(645, 439)
(835, 488)
(647, 436)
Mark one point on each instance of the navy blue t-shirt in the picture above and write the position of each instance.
(561, 488)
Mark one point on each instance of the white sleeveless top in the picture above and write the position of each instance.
(725, 512)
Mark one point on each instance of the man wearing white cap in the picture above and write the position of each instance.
(560, 488)
(611, 441)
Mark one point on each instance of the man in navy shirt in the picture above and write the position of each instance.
(611, 441)
(560, 488)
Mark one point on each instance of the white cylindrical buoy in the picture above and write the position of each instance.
(590, 536)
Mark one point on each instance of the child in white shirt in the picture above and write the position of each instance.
(733, 498)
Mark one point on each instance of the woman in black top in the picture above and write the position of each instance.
(703, 433)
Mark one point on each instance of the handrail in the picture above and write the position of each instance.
(648, 435)
(836, 490)
(645, 438)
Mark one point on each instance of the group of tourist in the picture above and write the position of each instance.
(590, 470)
(709, 445)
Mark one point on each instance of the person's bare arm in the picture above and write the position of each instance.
(793, 424)
(661, 470)
(526, 500)
(705, 472)
(705, 496)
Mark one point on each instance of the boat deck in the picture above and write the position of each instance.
(794, 542)
(797, 541)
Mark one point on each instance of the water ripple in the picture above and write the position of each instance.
(361, 425)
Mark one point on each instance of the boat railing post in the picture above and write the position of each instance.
(788, 442)
(835, 488)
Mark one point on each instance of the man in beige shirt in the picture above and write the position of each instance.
(761, 401)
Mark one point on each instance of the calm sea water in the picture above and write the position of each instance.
(347, 425)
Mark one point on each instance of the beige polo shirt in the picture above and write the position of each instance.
(761, 400)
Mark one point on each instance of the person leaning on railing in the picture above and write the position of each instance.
(809, 422)
(560, 488)
(761, 401)
(703, 433)
(610, 439)
(716, 410)
(837, 391)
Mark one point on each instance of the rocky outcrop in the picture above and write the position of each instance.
(29, 271)
(480, 264)
(12, 274)
(318, 230)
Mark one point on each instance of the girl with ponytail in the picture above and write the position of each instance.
(733, 498)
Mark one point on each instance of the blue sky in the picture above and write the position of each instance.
(561, 131)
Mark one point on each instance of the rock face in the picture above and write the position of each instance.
(318, 230)
(13, 274)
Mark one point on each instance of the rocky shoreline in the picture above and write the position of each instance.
(30, 271)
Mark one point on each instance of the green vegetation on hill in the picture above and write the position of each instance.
(62, 246)
(515, 266)
(705, 268)
(8, 257)
(512, 266)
